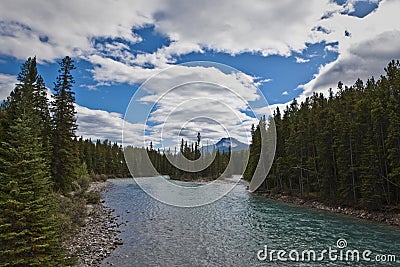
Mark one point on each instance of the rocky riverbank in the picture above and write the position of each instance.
(389, 216)
(94, 241)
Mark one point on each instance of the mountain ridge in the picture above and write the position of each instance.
(224, 143)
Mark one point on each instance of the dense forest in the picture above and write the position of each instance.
(341, 149)
(45, 169)
(102, 159)
(173, 164)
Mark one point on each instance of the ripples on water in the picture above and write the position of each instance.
(229, 232)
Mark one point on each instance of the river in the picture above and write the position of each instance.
(234, 229)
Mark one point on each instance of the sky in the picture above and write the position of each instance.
(277, 50)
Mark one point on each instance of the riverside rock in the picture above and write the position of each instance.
(96, 240)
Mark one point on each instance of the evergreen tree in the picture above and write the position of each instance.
(254, 150)
(392, 142)
(41, 107)
(65, 161)
(29, 230)
(30, 95)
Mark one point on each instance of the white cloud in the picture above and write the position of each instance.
(101, 124)
(269, 27)
(285, 93)
(107, 71)
(7, 84)
(57, 28)
(53, 29)
(239, 82)
(373, 43)
(165, 55)
(301, 60)
(259, 81)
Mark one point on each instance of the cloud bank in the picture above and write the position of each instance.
(54, 29)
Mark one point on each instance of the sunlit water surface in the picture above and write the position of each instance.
(230, 231)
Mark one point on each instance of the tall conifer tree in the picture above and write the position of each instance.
(65, 162)
(28, 223)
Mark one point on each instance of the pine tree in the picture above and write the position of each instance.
(392, 142)
(254, 150)
(30, 93)
(21, 97)
(65, 161)
(29, 232)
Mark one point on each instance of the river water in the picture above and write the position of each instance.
(234, 229)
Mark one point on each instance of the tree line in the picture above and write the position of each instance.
(343, 149)
(42, 164)
(102, 159)
(190, 162)
(177, 165)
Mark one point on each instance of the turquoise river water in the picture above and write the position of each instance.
(242, 229)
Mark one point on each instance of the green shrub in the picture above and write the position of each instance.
(83, 177)
(72, 210)
(93, 197)
(98, 177)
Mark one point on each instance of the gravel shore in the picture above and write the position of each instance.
(93, 242)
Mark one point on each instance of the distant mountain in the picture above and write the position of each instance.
(223, 145)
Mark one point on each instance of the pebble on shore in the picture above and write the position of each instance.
(99, 237)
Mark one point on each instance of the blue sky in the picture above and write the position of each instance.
(283, 73)
(288, 49)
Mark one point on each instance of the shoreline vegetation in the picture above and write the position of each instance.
(93, 241)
